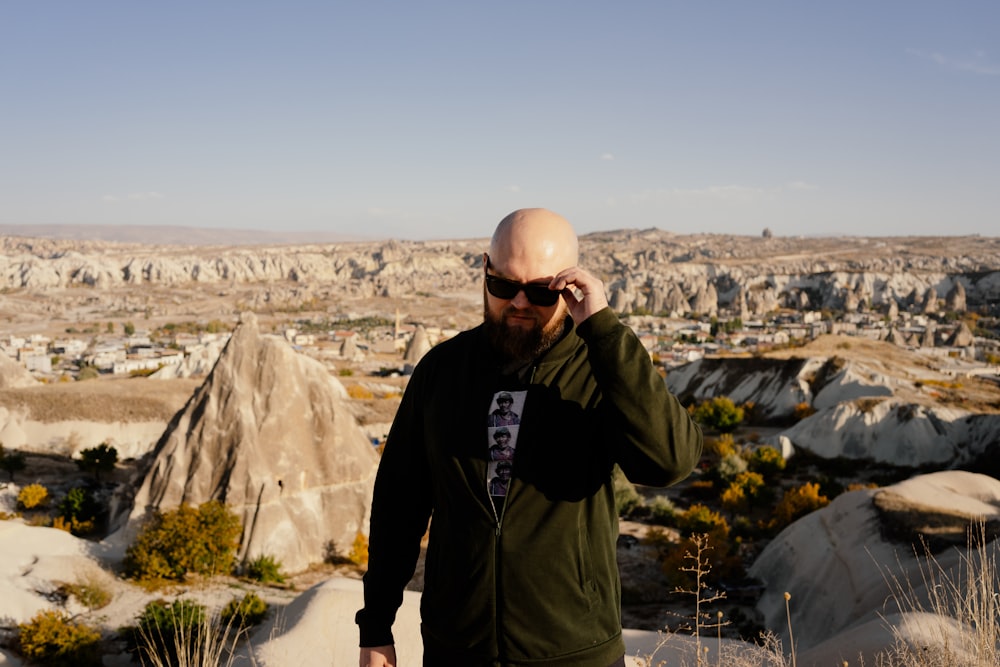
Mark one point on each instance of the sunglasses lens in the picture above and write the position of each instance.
(539, 295)
(500, 288)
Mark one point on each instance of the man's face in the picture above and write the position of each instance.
(504, 406)
(517, 328)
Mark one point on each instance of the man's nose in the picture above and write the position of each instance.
(520, 300)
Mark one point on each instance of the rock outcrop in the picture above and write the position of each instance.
(649, 269)
(876, 403)
(902, 434)
(846, 542)
(268, 433)
(13, 375)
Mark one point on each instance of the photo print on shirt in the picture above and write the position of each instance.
(503, 423)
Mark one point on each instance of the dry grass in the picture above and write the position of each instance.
(106, 400)
(957, 610)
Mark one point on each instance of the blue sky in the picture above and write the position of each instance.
(435, 119)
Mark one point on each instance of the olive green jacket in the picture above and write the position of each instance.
(535, 582)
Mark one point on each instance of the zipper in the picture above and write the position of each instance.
(497, 574)
(498, 629)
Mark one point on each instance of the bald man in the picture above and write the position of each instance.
(522, 572)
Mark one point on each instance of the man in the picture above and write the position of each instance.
(502, 450)
(529, 576)
(503, 415)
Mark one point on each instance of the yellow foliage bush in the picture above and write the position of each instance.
(803, 410)
(32, 496)
(796, 503)
(722, 446)
(53, 638)
(701, 519)
(359, 550)
(358, 392)
(185, 540)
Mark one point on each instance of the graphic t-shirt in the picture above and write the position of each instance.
(502, 425)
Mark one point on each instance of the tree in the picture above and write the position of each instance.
(13, 462)
(128, 328)
(96, 460)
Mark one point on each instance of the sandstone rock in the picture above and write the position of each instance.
(417, 346)
(962, 336)
(844, 543)
(954, 301)
(892, 431)
(267, 433)
(775, 386)
(13, 375)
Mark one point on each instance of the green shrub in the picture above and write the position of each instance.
(719, 413)
(662, 510)
(79, 511)
(53, 638)
(244, 612)
(265, 569)
(185, 540)
(767, 461)
(32, 496)
(167, 629)
(88, 373)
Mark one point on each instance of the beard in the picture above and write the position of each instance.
(516, 344)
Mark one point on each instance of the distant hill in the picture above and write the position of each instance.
(175, 235)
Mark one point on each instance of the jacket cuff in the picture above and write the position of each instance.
(373, 633)
(598, 325)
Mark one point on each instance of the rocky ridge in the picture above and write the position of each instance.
(651, 270)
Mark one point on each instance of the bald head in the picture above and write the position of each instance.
(533, 243)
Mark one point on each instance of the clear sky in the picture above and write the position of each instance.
(434, 119)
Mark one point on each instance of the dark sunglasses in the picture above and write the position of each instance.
(537, 294)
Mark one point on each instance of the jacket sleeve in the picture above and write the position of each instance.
(401, 508)
(653, 439)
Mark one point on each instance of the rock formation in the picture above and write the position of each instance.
(416, 348)
(268, 433)
(954, 301)
(643, 269)
(862, 540)
(13, 375)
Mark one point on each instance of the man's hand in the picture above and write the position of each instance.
(378, 656)
(592, 297)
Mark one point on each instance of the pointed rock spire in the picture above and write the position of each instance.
(268, 433)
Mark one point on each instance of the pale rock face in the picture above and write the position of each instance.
(838, 568)
(774, 386)
(894, 432)
(269, 434)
